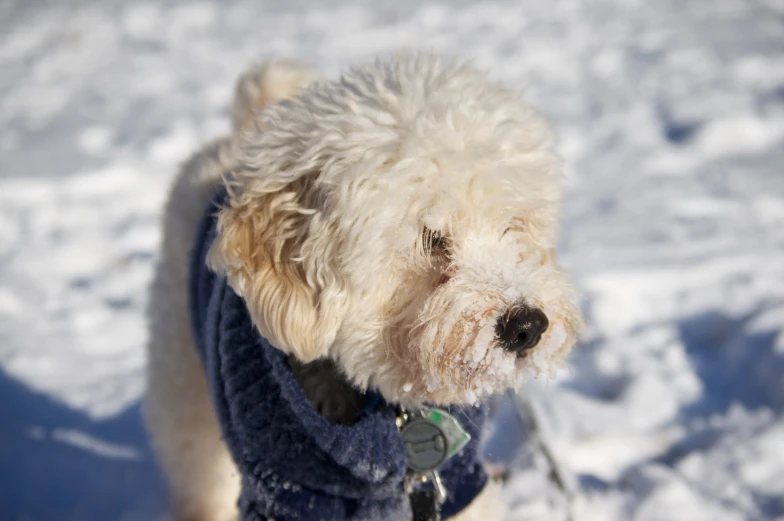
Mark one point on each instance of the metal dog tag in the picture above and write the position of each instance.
(431, 437)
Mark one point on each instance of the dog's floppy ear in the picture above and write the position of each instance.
(275, 251)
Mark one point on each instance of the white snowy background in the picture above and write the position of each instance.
(670, 116)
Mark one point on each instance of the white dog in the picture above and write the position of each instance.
(391, 232)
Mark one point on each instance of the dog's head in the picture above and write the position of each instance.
(401, 222)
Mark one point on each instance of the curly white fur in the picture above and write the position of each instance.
(384, 222)
(324, 233)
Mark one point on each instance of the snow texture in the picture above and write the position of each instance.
(670, 116)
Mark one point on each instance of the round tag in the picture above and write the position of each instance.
(426, 445)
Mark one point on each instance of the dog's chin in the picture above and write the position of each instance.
(420, 395)
(456, 381)
(474, 372)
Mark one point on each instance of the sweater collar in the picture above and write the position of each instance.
(371, 449)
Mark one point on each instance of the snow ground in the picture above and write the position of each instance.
(671, 122)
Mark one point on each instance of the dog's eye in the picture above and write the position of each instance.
(435, 243)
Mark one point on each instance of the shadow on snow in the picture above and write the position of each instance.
(57, 463)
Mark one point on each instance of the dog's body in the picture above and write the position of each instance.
(390, 232)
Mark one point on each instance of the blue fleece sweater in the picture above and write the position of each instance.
(295, 465)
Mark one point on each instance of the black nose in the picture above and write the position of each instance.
(521, 328)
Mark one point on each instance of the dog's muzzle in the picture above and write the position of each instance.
(521, 328)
